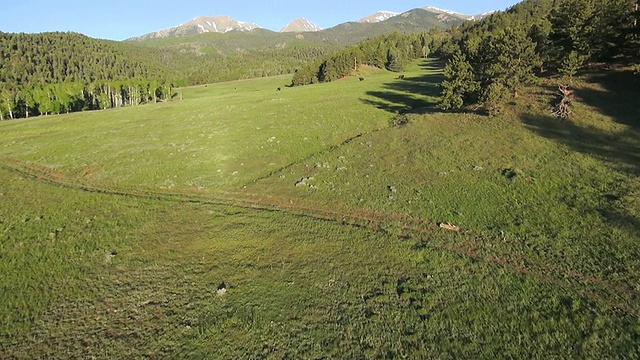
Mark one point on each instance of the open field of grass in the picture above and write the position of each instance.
(118, 228)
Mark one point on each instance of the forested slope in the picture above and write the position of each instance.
(491, 60)
(50, 73)
(391, 52)
(28, 59)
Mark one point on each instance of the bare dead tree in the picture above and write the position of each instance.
(563, 107)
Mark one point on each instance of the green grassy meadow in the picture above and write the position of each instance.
(321, 220)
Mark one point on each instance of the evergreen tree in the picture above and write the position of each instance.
(460, 84)
(494, 97)
(394, 60)
(510, 60)
(571, 64)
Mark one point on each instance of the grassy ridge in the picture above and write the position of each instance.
(338, 266)
(213, 139)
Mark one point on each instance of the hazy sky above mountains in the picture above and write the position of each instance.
(122, 19)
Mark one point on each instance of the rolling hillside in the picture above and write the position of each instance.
(484, 204)
(245, 222)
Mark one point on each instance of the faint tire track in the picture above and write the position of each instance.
(466, 243)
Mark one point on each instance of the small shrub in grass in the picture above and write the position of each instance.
(399, 120)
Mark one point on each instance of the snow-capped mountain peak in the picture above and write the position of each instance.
(300, 25)
(219, 24)
(202, 24)
(224, 24)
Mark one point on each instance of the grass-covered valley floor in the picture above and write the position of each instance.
(118, 228)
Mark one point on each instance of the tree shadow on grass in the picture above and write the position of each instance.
(618, 99)
(619, 148)
(620, 151)
(410, 94)
(433, 65)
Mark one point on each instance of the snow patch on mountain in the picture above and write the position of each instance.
(481, 16)
(438, 10)
(378, 17)
(444, 12)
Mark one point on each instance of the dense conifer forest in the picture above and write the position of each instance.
(488, 62)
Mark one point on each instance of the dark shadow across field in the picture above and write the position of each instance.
(619, 101)
(617, 149)
(620, 150)
(399, 96)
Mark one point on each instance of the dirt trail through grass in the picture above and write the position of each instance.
(423, 232)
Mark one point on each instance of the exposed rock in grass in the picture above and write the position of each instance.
(303, 181)
(110, 255)
(222, 289)
(449, 227)
(54, 234)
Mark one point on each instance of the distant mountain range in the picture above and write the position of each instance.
(224, 24)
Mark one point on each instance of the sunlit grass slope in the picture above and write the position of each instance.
(119, 228)
(217, 138)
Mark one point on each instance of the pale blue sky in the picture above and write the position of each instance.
(121, 19)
